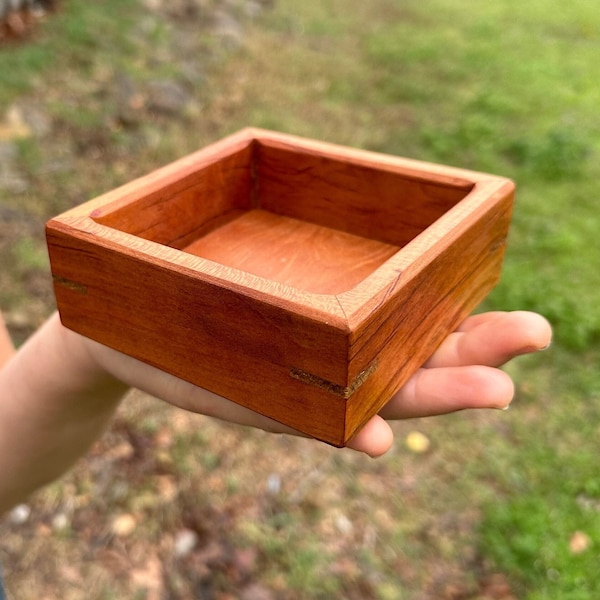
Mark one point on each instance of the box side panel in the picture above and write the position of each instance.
(177, 213)
(381, 204)
(403, 333)
(237, 347)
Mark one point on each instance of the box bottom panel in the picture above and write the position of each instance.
(306, 256)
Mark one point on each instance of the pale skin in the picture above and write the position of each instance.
(59, 392)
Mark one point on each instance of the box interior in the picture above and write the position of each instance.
(319, 223)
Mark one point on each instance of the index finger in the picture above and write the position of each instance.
(492, 339)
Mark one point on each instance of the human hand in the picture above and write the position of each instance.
(463, 373)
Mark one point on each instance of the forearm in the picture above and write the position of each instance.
(57, 395)
(54, 402)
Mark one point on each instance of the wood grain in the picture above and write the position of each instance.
(304, 280)
(181, 208)
(310, 257)
(351, 196)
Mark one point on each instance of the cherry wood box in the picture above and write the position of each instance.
(304, 280)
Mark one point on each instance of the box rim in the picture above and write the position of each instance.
(345, 310)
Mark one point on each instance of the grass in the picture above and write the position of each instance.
(483, 106)
(462, 94)
(508, 87)
(79, 35)
(543, 501)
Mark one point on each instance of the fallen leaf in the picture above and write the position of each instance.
(579, 542)
(149, 577)
(121, 451)
(166, 486)
(256, 591)
(164, 438)
(14, 125)
(417, 442)
(123, 525)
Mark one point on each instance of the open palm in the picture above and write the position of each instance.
(463, 373)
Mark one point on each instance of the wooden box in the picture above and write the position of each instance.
(304, 280)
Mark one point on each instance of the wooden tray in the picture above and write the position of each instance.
(304, 280)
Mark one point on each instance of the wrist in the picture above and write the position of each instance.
(57, 399)
(83, 360)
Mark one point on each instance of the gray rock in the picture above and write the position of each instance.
(11, 179)
(37, 119)
(228, 28)
(168, 97)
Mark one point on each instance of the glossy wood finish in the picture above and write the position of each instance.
(303, 255)
(304, 280)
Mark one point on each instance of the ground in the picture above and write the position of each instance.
(173, 505)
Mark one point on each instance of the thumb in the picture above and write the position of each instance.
(374, 439)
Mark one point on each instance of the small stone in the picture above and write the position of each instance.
(344, 525)
(185, 542)
(20, 514)
(417, 442)
(60, 522)
(273, 484)
(123, 525)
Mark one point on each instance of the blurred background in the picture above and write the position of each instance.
(170, 505)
